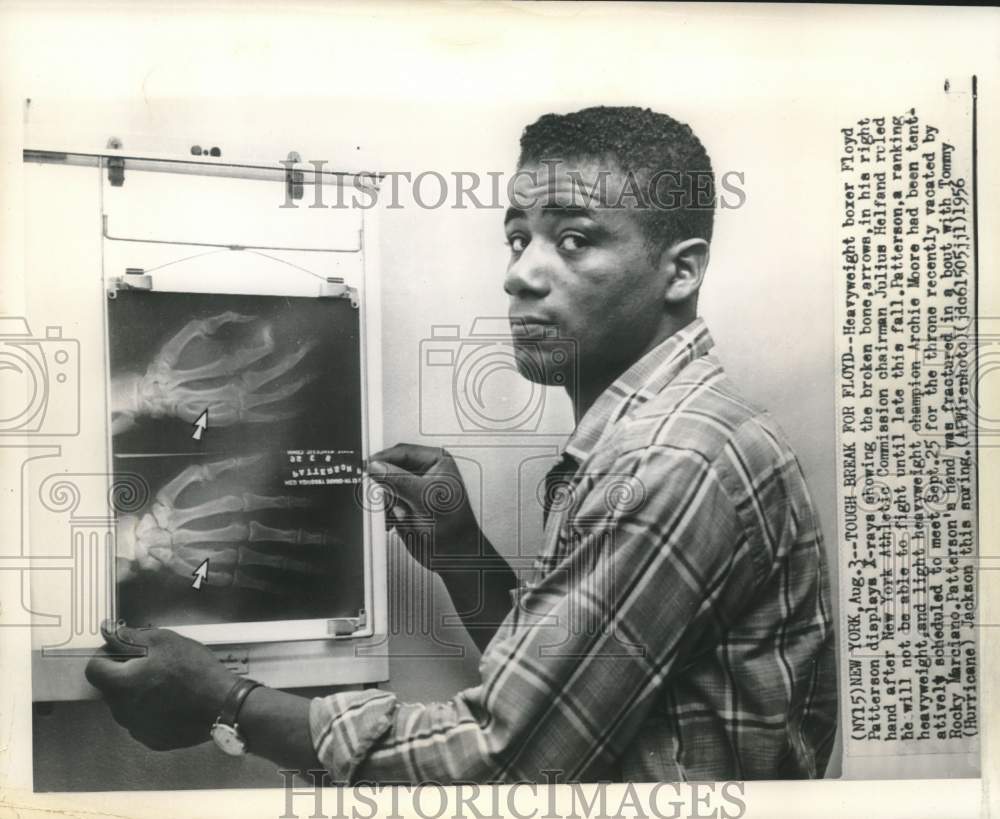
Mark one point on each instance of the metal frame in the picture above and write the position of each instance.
(351, 628)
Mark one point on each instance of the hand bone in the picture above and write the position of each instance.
(230, 388)
(238, 552)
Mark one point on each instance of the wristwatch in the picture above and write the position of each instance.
(225, 729)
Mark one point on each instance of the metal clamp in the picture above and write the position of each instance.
(135, 278)
(335, 288)
(294, 180)
(341, 627)
(115, 164)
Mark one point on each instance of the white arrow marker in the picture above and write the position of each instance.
(200, 574)
(199, 425)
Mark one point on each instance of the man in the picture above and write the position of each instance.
(677, 621)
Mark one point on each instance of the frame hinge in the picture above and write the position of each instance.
(335, 288)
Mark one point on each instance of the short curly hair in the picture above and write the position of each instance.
(654, 148)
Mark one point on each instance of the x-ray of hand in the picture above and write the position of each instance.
(242, 552)
(232, 387)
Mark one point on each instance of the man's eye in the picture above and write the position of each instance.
(517, 244)
(572, 241)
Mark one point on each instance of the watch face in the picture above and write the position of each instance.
(229, 739)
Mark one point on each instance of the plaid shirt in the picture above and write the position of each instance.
(678, 623)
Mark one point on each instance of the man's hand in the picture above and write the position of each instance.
(165, 689)
(426, 491)
(425, 488)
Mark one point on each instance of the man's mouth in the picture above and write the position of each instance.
(533, 327)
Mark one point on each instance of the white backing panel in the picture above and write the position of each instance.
(68, 492)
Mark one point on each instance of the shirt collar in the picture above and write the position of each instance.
(640, 382)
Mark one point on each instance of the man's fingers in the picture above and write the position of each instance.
(124, 642)
(413, 458)
(107, 673)
(100, 671)
(404, 492)
(386, 472)
(404, 485)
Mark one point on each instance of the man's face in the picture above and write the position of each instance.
(579, 269)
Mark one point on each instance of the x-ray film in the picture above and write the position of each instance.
(239, 420)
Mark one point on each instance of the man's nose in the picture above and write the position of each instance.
(529, 274)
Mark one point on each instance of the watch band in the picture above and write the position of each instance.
(234, 700)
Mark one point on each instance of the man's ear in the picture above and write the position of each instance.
(685, 264)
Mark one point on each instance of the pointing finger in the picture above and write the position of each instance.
(404, 486)
(413, 458)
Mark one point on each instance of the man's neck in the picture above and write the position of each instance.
(592, 384)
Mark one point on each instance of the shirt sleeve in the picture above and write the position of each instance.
(654, 562)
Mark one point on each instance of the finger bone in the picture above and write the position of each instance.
(265, 416)
(276, 563)
(302, 537)
(229, 504)
(230, 364)
(253, 379)
(243, 580)
(171, 352)
(233, 533)
(187, 560)
(257, 399)
(200, 473)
